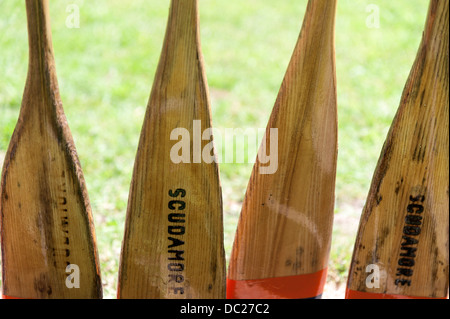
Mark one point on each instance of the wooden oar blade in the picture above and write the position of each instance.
(173, 243)
(46, 223)
(401, 249)
(47, 233)
(283, 238)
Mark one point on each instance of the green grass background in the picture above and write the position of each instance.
(106, 68)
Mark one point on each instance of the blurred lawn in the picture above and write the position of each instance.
(106, 68)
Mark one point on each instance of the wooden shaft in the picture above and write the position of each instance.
(41, 69)
(183, 19)
(39, 31)
(319, 22)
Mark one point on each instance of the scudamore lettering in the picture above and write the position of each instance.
(411, 230)
(63, 209)
(175, 231)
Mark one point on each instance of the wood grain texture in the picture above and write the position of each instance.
(404, 228)
(173, 243)
(286, 220)
(46, 220)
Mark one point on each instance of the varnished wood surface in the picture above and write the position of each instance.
(286, 220)
(404, 228)
(156, 263)
(46, 220)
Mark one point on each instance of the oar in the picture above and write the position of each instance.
(283, 238)
(401, 250)
(48, 239)
(173, 243)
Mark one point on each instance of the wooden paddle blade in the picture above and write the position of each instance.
(283, 238)
(401, 250)
(173, 243)
(46, 222)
